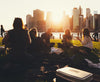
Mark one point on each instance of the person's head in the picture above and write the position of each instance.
(67, 32)
(18, 23)
(86, 32)
(49, 31)
(33, 32)
(1, 26)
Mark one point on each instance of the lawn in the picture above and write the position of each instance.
(76, 43)
(1, 41)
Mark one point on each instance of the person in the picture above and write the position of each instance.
(95, 36)
(67, 38)
(87, 47)
(46, 38)
(2, 30)
(37, 44)
(17, 39)
(86, 39)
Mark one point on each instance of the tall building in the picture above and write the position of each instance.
(49, 20)
(38, 17)
(66, 22)
(80, 18)
(96, 22)
(89, 19)
(88, 12)
(90, 22)
(76, 19)
(29, 20)
(80, 22)
(80, 10)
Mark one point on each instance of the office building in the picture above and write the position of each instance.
(49, 22)
(75, 19)
(29, 21)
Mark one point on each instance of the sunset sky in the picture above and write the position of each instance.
(9, 9)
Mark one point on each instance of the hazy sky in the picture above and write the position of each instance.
(9, 9)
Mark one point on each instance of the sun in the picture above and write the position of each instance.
(56, 17)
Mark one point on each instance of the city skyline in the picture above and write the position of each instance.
(15, 8)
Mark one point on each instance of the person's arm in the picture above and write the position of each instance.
(28, 38)
(5, 40)
(79, 39)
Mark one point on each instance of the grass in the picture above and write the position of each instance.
(76, 43)
(1, 41)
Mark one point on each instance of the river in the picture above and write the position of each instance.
(58, 35)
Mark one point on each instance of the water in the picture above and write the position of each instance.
(58, 34)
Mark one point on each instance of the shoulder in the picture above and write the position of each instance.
(87, 38)
(44, 34)
(24, 31)
(10, 31)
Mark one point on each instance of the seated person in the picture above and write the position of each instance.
(46, 39)
(37, 45)
(87, 46)
(67, 38)
(86, 39)
(17, 39)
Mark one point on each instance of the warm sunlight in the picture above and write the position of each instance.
(56, 17)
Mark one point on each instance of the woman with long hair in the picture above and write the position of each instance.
(86, 39)
(17, 39)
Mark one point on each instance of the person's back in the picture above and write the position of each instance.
(17, 39)
(36, 45)
(46, 38)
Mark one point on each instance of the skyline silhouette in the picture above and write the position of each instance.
(11, 9)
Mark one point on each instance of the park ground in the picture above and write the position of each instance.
(96, 45)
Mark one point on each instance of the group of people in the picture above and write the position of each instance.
(19, 41)
(22, 43)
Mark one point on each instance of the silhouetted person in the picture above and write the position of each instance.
(36, 45)
(67, 38)
(60, 36)
(36, 48)
(95, 36)
(2, 30)
(17, 39)
(46, 38)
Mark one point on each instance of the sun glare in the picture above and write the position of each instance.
(56, 17)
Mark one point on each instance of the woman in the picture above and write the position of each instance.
(17, 39)
(87, 47)
(37, 44)
(86, 39)
(67, 38)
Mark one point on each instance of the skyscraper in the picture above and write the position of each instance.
(38, 15)
(96, 22)
(88, 12)
(28, 20)
(49, 20)
(76, 19)
(88, 17)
